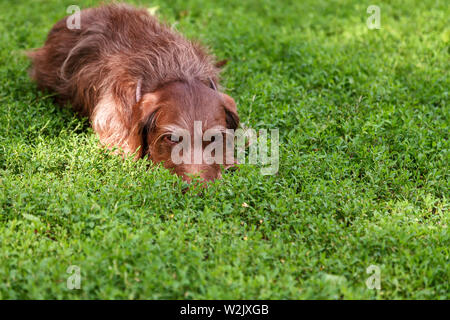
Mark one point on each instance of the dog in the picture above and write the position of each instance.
(138, 81)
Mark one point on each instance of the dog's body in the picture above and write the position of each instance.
(134, 78)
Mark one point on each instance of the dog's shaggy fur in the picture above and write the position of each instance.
(116, 69)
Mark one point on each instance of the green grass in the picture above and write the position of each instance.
(363, 180)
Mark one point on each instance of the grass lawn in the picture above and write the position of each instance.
(363, 179)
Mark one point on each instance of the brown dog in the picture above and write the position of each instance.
(137, 80)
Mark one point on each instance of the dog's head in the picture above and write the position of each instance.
(184, 126)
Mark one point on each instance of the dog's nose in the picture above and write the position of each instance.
(204, 173)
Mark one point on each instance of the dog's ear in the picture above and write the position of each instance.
(222, 63)
(143, 121)
(232, 117)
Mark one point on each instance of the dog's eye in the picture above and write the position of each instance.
(172, 139)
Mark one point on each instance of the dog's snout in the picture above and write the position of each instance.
(203, 172)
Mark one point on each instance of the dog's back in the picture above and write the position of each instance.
(116, 48)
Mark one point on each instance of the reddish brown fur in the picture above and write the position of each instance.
(97, 69)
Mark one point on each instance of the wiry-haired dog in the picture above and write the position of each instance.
(137, 80)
